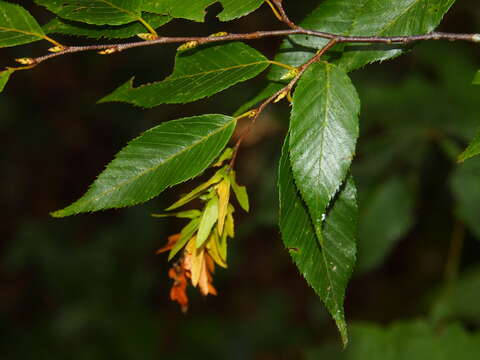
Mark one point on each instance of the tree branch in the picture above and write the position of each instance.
(200, 40)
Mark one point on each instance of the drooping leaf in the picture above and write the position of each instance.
(223, 192)
(361, 18)
(17, 26)
(198, 73)
(185, 235)
(197, 191)
(240, 192)
(196, 10)
(392, 203)
(165, 155)
(476, 78)
(107, 32)
(464, 183)
(472, 150)
(209, 218)
(323, 134)
(187, 214)
(97, 12)
(4, 76)
(326, 258)
(413, 340)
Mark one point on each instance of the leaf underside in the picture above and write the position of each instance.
(195, 10)
(198, 73)
(96, 12)
(361, 18)
(325, 259)
(59, 26)
(166, 155)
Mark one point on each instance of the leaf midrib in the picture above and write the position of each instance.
(22, 32)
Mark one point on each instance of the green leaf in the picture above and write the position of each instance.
(464, 183)
(323, 134)
(107, 32)
(195, 10)
(4, 76)
(393, 204)
(17, 26)
(209, 218)
(240, 192)
(198, 73)
(187, 214)
(185, 235)
(165, 155)
(472, 150)
(197, 191)
(97, 12)
(361, 18)
(233, 9)
(412, 340)
(476, 78)
(326, 258)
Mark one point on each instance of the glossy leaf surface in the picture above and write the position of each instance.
(362, 18)
(325, 258)
(198, 73)
(196, 10)
(98, 12)
(323, 134)
(59, 26)
(17, 26)
(165, 155)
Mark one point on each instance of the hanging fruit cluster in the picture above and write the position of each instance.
(202, 243)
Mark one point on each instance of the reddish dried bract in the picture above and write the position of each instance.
(178, 292)
(172, 239)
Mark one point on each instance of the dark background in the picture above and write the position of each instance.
(91, 286)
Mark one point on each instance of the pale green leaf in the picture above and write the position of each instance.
(107, 32)
(209, 218)
(17, 26)
(393, 204)
(185, 235)
(197, 191)
(323, 134)
(165, 155)
(240, 192)
(198, 73)
(196, 10)
(4, 76)
(187, 214)
(325, 259)
(97, 12)
(465, 182)
(472, 150)
(361, 18)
